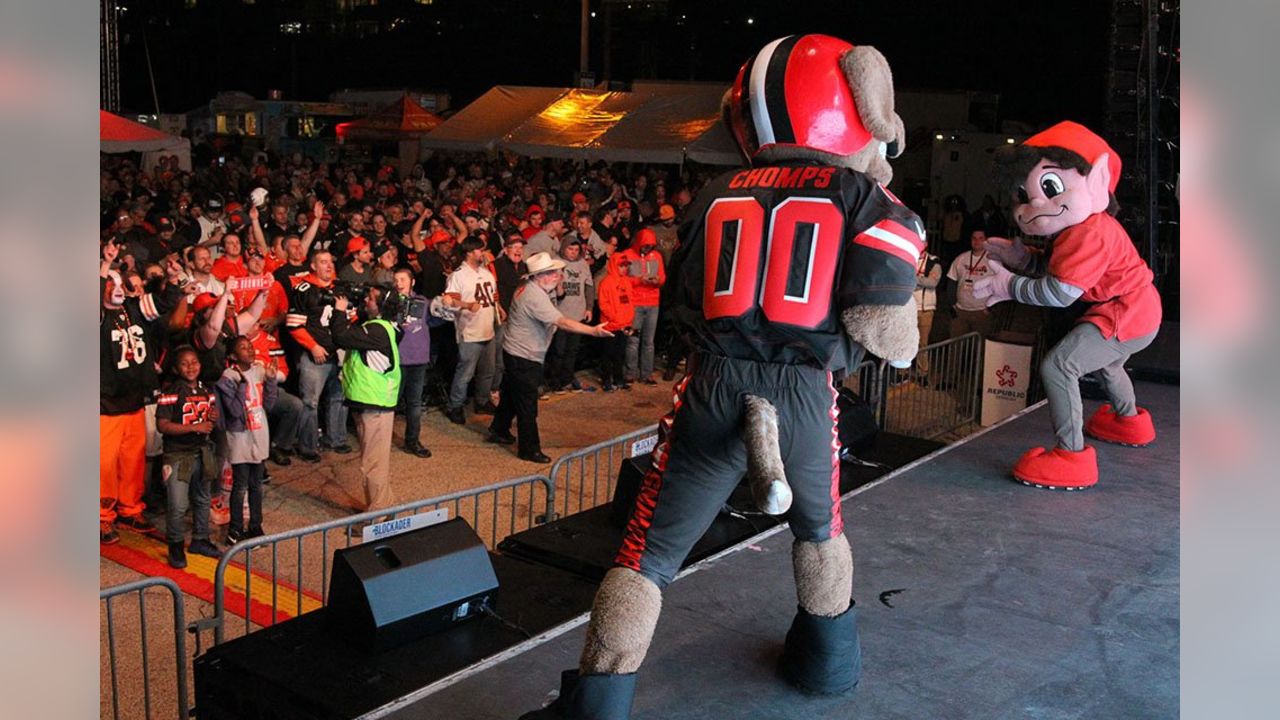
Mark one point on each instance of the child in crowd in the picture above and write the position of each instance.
(617, 313)
(246, 392)
(185, 415)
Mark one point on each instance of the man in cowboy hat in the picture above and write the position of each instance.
(532, 321)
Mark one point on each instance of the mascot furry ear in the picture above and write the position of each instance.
(832, 102)
(829, 102)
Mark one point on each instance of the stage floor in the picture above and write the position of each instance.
(977, 598)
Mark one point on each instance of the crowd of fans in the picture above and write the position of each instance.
(220, 289)
(229, 299)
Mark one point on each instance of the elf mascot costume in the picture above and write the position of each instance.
(787, 272)
(1063, 183)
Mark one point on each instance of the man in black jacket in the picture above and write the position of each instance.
(508, 268)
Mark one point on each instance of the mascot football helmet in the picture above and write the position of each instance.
(794, 92)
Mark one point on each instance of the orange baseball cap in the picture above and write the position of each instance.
(356, 244)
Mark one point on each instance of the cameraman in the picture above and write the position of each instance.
(371, 382)
(311, 312)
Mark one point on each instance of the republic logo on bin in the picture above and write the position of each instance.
(1007, 376)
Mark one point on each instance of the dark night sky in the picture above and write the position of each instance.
(1047, 62)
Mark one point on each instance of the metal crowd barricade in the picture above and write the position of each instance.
(867, 382)
(939, 394)
(585, 479)
(495, 511)
(139, 588)
(1035, 389)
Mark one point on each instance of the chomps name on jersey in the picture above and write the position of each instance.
(783, 177)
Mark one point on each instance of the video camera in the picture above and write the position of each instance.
(395, 309)
(412, 308)
(355, 292)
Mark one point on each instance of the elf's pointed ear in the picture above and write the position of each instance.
(1098, 183)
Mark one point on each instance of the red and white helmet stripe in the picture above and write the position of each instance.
(794, 93)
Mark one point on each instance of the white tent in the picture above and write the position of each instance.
(118, 135)
(664, 123)
(482, 124)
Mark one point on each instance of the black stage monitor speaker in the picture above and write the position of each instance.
(391, 591)
(630, 476)
(858, 426)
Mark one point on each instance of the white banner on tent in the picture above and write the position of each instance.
(1006, 376)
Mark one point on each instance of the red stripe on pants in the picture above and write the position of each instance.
(122, 458)
(633, 543)
(837, 520)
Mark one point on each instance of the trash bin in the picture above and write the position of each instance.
(1006, 375)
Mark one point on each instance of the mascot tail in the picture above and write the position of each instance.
(769, 485)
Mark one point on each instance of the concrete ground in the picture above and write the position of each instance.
(978, 599)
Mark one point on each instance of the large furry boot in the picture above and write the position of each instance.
(1134, 431)
(589, 697)
(623, 618)
(822, 653)
(1058, 469)
(769, 487)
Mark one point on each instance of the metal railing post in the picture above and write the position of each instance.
(602, 458)
(140, 587)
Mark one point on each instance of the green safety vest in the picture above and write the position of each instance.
(363, 384)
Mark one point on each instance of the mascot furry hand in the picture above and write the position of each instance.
(1063, 182)
(785, 270)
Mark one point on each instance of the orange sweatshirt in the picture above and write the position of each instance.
(645, 293)
(614, 296)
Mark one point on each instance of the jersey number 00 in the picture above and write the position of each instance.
(803, 246)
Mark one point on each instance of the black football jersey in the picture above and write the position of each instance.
(128, 352)
(311, 308)
(185, 404)
(770, 256)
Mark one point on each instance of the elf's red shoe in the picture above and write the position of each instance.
(1058, 469)
(1134, 431)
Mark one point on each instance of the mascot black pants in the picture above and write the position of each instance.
(701, 458)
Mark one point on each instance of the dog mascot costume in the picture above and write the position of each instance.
(1063, 182)
(787, 271)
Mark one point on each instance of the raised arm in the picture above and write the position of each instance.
(259, 239)
(251, 314)
(110, 252)
(313, 227)
(208, 333)
(459, 227)
(415, 232)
